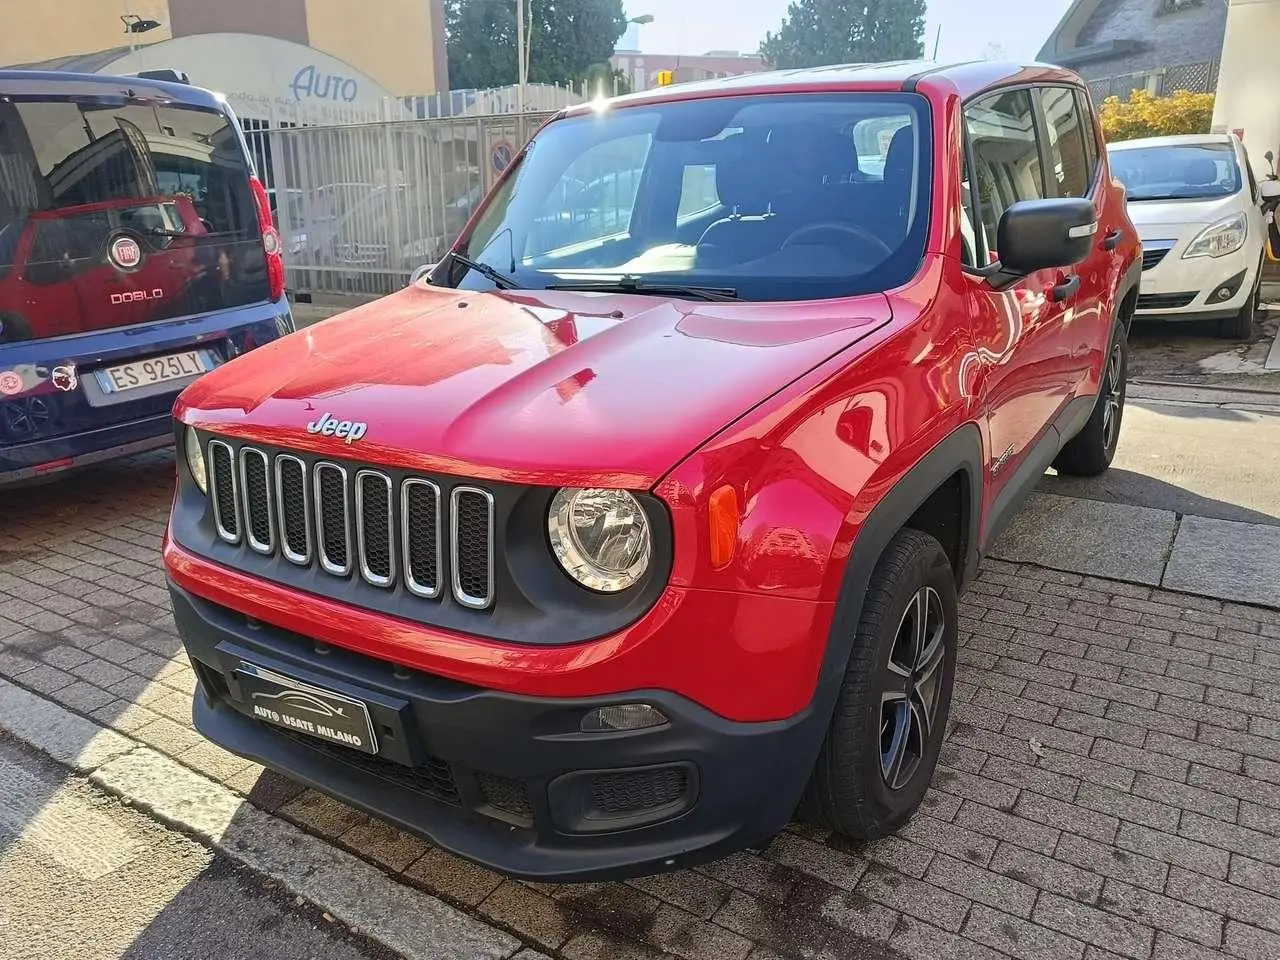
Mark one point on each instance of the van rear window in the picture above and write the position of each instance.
(78, 174)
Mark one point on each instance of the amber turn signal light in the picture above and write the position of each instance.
(724, 519)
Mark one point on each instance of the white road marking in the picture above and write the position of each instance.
(62, 825)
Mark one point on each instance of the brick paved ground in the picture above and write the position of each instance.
(1110, 785)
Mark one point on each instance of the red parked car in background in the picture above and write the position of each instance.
(640, 524)
(58, 285)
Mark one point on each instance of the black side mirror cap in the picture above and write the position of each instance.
(1044, 234)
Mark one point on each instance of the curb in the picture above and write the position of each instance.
(403, 919)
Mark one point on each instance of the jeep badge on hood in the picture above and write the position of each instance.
(327, 426)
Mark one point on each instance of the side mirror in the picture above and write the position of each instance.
(1269, 190)
(1043, 234)
(420, 272)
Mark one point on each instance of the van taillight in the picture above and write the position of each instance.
(271, 245)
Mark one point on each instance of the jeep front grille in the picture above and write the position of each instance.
(356, 521)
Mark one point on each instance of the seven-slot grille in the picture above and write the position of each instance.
(356, 520)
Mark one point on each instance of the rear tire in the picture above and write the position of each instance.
(891, 714)
(1239, 326)
(1091, 451)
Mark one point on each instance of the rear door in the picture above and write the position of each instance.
(128, 212)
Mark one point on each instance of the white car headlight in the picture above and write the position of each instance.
(195, 461)
(1224, 237)
(601, 537)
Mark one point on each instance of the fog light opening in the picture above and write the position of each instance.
(623, 716)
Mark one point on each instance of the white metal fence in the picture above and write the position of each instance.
(360, 206)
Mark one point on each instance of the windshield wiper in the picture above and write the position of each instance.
(492, 274)
(636, 285)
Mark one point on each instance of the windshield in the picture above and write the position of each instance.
(1187, 172)
(772, 198)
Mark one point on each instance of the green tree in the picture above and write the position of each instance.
(816, 33)
(569, 40)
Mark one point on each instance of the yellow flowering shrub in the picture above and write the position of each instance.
(1143, 115)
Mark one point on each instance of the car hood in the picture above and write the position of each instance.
(547, 387)
(1150, 216)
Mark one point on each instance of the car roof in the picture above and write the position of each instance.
(36, 82)
(965, 78)
(1182, 140)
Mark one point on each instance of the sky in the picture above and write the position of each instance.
(969, 27)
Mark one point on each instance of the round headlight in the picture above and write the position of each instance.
(195, 461)
(600, 537)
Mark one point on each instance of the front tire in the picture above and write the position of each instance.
(1091, 451)
(891, 714)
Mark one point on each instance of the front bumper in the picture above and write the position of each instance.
(508, 780)
(1186, 289)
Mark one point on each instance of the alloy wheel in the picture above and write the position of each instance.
(912, 688)
(1114, 394)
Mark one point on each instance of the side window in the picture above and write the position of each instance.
(872, 139)
(697, 190)
(1006, 156)
(595, 197)
(1091, 146)
(1065, 128)
(1253, 181)
(968, 221)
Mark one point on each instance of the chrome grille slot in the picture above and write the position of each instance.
(471, 555)
(259, 516)
(420, 537)
(223, 492)
(389, 530)
(293, 506)
(333, 518)
(375, 530)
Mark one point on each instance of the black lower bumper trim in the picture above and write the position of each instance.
(505, 780)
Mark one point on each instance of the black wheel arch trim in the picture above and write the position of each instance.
(960, 452)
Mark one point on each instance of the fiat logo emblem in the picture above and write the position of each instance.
(125, 253)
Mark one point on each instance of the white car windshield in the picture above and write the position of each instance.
(1183, 172)
(780, 197)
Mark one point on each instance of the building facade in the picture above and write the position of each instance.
(1248, 97)
(1156, 45)
(642, 69)
(264, 52)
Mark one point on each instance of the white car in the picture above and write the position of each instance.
(1196, 205)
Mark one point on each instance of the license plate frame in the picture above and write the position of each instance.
(109, 384)
(321, 714)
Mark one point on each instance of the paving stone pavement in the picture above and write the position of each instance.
(1110, 786)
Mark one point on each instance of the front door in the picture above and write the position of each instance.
(1018, 330)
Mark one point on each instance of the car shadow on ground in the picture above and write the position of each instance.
(1192, 351)
(85, 622)
(1140, 490)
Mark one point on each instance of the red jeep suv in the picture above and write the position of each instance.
(639, 524)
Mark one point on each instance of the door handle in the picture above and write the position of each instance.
(1066, 289)
(1112, 239)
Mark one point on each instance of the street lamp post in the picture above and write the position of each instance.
(134, 25)
(522, 70)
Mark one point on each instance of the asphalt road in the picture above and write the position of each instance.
(84, 878)
(1194, 458)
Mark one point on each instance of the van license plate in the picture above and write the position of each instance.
(302, 708)
(145, 373)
